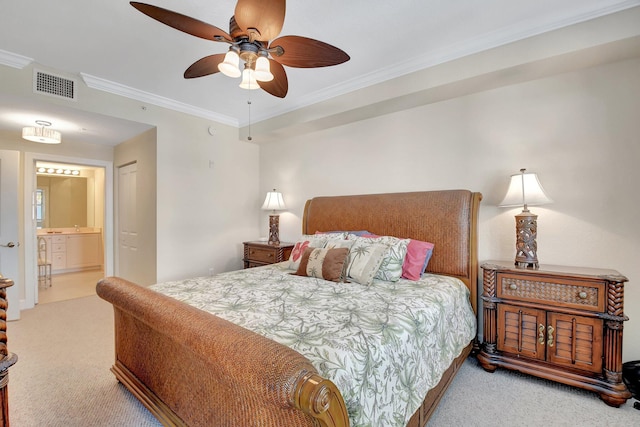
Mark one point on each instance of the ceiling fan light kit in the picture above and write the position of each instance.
(262, 72)
(229, 67)
(252, 38)
(249, 80)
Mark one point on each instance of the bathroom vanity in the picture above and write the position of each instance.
(73, 249)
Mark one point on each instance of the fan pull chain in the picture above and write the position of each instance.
(249, 137)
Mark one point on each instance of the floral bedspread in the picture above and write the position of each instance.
(383, 345)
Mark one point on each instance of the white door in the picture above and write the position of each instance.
(9, 173)
(127, 222)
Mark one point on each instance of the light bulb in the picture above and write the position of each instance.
(229, 67)
(248, 80)
(262, 72)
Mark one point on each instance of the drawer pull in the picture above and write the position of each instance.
(513, 286)
(550, 336)
(582, 295)
(541, 334)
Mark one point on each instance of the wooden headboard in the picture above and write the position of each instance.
(448, 219)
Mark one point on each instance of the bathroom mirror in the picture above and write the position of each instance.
(63, 201)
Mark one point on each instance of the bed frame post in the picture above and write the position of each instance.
(321, 399)
(473, 249)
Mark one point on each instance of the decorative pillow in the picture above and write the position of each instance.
(298, 250)
(391, 267)
(418, 256)
(327, 264)
(364, 261)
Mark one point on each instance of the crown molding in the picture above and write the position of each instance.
(459, 50)
(14, 60)
(432, 58)
(118, 89)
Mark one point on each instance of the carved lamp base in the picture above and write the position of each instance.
(526, 246)
(274, 229)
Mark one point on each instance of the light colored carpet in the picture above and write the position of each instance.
(477, 398)
(62, 377)
(65, 350)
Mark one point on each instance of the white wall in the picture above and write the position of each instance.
(579, 131)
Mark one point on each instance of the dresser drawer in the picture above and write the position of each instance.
(59, 239)
(579, 294)
(262, 254)
(58, 247)
(59, 261)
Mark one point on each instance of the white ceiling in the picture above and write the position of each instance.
(109, 45)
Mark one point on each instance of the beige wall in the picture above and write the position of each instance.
(579, 131)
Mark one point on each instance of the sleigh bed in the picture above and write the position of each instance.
(191, 367)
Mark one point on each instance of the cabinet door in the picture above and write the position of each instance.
(575, 341)
(521, 331)
(83, 250)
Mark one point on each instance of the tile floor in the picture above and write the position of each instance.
(69, 286)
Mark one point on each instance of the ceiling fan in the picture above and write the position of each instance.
(252, 38)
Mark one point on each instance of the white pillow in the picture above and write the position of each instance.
(391, 267)
(365, 258)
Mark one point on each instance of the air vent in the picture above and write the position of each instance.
(53, 85)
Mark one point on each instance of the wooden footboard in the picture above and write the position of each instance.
(191, 368)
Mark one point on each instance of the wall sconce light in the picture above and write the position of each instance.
(274, 202)
(525, 189)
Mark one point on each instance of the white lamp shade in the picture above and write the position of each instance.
(229, 67)
(525, 189)
(263, 72)
(274, 202)
(41, 135)
(249, 80)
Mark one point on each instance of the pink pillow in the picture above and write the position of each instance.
(418, 256)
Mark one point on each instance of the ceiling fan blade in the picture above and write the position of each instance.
(303, 52)
(205, 66)
(266, 16)
(279, 86)
(182, 22)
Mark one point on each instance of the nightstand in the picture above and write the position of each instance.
(262, 253)
(560, 323)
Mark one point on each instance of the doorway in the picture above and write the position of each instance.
(80, 272)
(69, 217)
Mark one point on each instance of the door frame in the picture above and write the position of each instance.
(30, 185)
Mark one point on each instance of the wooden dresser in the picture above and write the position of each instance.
(560, 323)
(262, 253)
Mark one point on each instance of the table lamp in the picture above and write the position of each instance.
(274, 202)
(525, 189)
